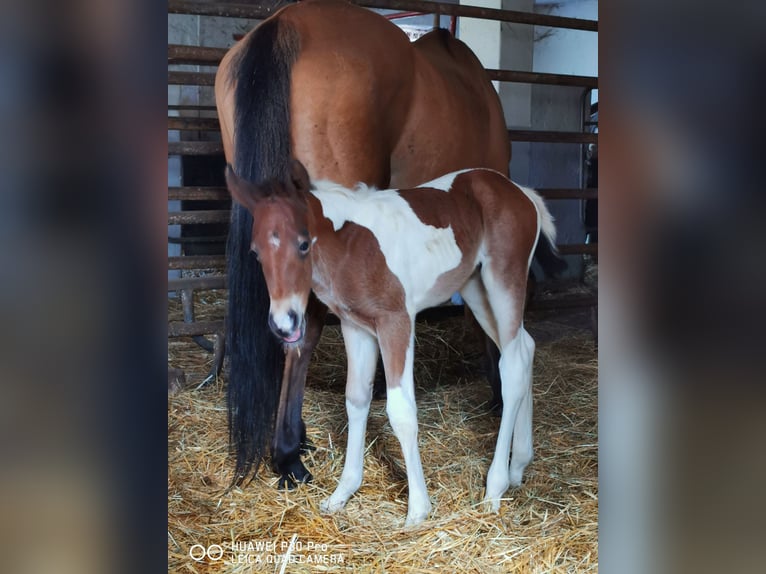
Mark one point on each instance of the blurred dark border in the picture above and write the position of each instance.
(682, 390)
(82, 105)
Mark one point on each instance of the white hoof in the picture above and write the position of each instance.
(332, 505)
(515, 477)
(492, 504)
(417, 515)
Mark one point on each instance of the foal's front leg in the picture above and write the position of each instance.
(397, 344)
(362, 356)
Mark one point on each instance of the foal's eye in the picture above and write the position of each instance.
(303, 247)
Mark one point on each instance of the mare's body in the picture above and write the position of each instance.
(343, 90)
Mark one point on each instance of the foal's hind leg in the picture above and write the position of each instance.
(517, 351)
(362, 355)
(289, 428)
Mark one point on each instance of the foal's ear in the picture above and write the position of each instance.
(241, 190)
(299, 176)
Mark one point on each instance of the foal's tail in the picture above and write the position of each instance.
(546, 252)
(262, 151)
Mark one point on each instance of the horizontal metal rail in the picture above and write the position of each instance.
(568, 192)
(203, 283)
(198, 193)
(482, 13)
(191, 78)
(211, 56)
(195, 148)
(196, 262)
(543, 78)
(198, 216)
(195, 55)
(552, 136)
(215, 148)
(182, 329)
(193, 124)
(232, 10)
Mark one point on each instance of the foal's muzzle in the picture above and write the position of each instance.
(288, 326)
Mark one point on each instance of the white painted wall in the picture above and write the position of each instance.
(567, 51)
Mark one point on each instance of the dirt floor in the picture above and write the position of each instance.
(549, 524)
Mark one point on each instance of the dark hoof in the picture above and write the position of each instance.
(293, 474)
(307, 446)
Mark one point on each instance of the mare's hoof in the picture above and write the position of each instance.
(307, 446)
(293, 474)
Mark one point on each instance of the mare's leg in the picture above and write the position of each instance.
(491, 362)
(517, 350)
(362, 356)
(490, 359)
(397, 342)
(475, 296)
(290, 430)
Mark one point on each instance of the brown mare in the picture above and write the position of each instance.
(344, 91)
(376, 258)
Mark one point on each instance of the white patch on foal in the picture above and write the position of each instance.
(415, 252)
(444, 182)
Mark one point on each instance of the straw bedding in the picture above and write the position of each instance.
(549, 524)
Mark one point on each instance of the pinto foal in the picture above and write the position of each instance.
(376, 258)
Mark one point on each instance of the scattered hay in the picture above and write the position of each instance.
(547, 525)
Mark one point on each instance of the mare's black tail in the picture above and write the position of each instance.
(262, 151)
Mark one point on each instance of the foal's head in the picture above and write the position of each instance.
(281, 241)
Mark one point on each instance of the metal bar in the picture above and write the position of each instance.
(231, 10)
(193, 124)
(198, 193)
(195, 55)
(191, 78)
(482, 13)
(224, 9)
(181, 54)
(201, 240)
(541, 78)
(551, 136)
(196, 262)
(398, 15)
(195, 148)
(181, 329)
(209, 282)
(578, 249)
(568, 193)
(191, 107)
(215, 148)
(203, 216)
